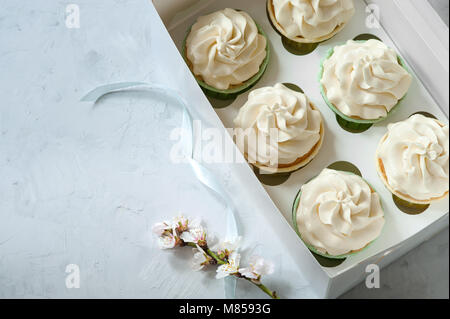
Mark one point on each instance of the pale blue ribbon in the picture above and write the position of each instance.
(205, 176)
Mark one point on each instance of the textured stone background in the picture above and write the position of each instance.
(40, 274)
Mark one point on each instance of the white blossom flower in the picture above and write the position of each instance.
(167, 241)
(181, 223)
(232, 267)
(160, 228)
(226, 247)
(195, 223)
(257, 268)
(167, 235)
(200, 260)
(195, 233)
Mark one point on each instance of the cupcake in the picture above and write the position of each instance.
(309, 21)
(337, 214)
(412, 159)
(278, 130)
(362, 81)
(227, 52)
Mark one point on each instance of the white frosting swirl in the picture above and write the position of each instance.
(364, 79)
(289, 113)
(338, 213)
(312, 19)
(415, 156)
(225, 48)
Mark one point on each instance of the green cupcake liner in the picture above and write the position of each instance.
(235, 91)
(353, 127)
(312, 248)
(408, 207)
(351, 123)
(298, 48)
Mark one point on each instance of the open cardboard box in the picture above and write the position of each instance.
(428, 62)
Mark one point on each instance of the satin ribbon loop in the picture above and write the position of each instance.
(204, 175)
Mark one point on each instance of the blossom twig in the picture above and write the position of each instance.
(183, 232)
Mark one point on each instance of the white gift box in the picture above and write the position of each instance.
(425, 50)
